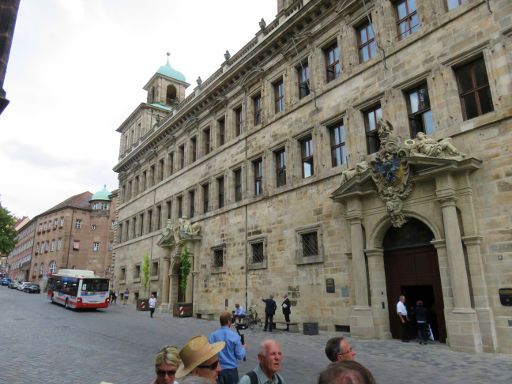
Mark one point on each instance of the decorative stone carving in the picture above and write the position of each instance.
(176, 232)
(360, 168)
(423, 145)
(390, 173)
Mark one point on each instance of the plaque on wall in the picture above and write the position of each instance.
(329, 285)
(505, 296)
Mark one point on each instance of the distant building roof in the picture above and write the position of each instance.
(77, 201)
(101, 195)
(169, 71)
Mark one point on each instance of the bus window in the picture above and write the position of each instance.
(95, 285)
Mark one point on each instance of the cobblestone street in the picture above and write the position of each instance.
(45, 343)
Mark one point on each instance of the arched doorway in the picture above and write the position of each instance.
(412, 269)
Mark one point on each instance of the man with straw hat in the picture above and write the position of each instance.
(199, 361)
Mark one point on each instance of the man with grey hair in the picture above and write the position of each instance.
(270, 310)
(269, 359)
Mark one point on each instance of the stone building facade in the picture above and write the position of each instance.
(351, 152)
(77, 233)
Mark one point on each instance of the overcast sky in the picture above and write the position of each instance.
(76, 71)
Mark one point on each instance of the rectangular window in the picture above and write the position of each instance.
(338, 148)
(61, 222)
(408, 19)
(122, 274)
(59, 244)
(150, 220)
(280, 156)
(306, 148)
(206, 197)
(154, 268)
(95, 247)
(452, 4)
(136, 272)
(371, 118)
(257, 166)
(474, 90)
(192, 202)
(238, 121)
(237, 173)
(168, 207)
(366, 42)
(143, 181)
(332, 62)
(76, 245)
(141, 228)
(279, 96)
(256, 102)
(52, 246)
(309, 244)
(161, 168)
(78, 224)
(221, 126)
(257, 252)
(152, 174)
(181, 150)
(180, 206)
(55, 223)
(420, 115)
(206, 140)
(136, 184)
(218, 258)
(193, 148)
(220, 186)
(303, 74)
(158, 221)
(134, 227)
(171, 163)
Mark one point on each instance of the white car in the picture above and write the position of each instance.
(23, 285)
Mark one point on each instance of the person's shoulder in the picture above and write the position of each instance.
(245, 379)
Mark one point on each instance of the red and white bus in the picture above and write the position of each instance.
(78, 289)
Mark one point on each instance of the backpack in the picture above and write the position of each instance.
(254, 378)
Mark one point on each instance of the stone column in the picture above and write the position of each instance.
(456, 263)
(378, 292)
(361, 317)
(165, 281)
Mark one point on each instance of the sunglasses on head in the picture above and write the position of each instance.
(211, 366)
(162, 373)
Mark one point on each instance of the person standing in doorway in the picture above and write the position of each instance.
(125, 296)
(286, 305)
(421, 315)
(152, 305)
(401, 312)
(270, 311)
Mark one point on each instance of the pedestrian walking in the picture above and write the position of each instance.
(125, 296)
(401, 311)
(270, 310)
(286, 306)
(167, 361)
(152, 305)
(269, 364)
(114, 297)
(232, 352)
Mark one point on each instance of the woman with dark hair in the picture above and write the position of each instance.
(346, 372)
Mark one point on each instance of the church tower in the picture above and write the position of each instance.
(166, 87)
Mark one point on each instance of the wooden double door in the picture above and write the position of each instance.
(414, 273)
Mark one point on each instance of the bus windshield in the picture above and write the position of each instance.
(95, 285)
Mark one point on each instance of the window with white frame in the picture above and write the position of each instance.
(52, 267)
(95, 247)
(59, 244)
(78, 223)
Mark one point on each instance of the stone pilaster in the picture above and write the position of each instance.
(378, 292)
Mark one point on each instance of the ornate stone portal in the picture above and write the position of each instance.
(176, 235)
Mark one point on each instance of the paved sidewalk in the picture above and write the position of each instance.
(45, 343)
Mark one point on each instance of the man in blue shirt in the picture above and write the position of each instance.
(239, 313)
(233, 351)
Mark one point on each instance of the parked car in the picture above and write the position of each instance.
(13, 284)
(32, 288)
(6, 281)
(21, 286)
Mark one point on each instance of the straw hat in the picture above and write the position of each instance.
(195, 352)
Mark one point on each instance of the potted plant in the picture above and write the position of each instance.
(142, 303)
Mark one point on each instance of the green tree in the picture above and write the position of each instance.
(185, 267)
(145, 271)
(7, 232)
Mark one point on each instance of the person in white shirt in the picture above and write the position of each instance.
(401, 311)
(152, 305)
(239, 313)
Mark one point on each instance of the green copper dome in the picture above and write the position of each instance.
(101, 195)
(169, 71)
